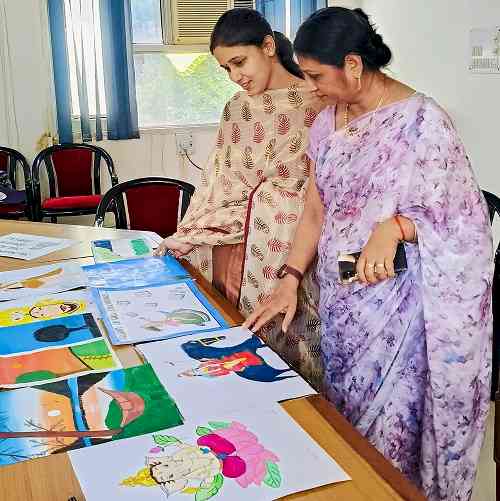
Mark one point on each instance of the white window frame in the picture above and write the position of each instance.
(168, 47)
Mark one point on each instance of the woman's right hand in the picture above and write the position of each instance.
(174, 247)
(283, 300)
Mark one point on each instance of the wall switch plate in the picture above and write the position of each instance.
(184, 142)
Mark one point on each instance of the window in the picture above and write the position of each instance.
(178, 84)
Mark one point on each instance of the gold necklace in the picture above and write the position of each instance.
(354, 131)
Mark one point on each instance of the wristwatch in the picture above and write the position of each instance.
(288, 270)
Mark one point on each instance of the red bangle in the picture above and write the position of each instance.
(403, 236)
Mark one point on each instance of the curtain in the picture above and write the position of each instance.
(300, 10)
(9, 129)
(274, 12)
(93, 68)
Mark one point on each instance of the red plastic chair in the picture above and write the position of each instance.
(10, 161)
(149, 203)
(74, 175)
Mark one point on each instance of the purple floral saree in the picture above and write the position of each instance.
(408, 360)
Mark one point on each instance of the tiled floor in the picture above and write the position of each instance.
(484, 489)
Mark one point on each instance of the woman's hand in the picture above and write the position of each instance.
(283, 300)
(174, 247)
(376, 262)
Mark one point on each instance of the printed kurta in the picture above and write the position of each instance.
(253, 192)
(407, 360)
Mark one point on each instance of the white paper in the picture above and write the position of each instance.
(57, 277)
(222, 381)
(25, 246)
(148, 313)
(278, 445)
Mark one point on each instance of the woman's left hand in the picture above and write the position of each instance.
(376, 262)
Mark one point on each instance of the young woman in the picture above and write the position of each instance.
(240, 224)
(407, 357)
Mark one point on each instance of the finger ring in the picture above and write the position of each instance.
(370, 265)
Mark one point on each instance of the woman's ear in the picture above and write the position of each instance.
(269, 46)
(353, 66)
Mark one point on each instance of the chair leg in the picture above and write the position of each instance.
(53, 219)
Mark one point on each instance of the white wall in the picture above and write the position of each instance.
(430, 45)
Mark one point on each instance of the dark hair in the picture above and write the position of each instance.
(249, 27)
(329, 34)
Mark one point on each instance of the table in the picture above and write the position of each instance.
(52, 478)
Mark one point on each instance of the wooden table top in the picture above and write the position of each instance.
(52, 478)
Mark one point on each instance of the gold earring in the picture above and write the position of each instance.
(358, 78)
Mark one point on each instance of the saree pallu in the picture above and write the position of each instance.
(408, 360)
(252, 197)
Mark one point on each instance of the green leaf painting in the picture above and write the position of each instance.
(205, 493)
(160, 410)
(273, 475)
(218, 425)
(164, 440)
(203, 430)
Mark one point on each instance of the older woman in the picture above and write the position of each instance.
(407, 355)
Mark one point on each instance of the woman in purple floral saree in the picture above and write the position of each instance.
(407, 357)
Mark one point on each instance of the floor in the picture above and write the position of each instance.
(484, 489)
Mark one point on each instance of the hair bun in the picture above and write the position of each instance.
(377, 40)
(362, 14)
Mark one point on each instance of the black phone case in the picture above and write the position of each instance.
(347, 269)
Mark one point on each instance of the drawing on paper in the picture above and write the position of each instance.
(46, 308)
(52, 278)
(47, 334)
(242, 360)
(224, 451)
(156, 312)
(122, 248)
(43, 366)
(35, 282)
(176, 318)
(83, 411)
(135, 272)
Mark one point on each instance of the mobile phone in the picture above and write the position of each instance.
(347, 264)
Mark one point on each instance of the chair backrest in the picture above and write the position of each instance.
(152, 203)
(73, 169)
(10, 161)
(493, 204)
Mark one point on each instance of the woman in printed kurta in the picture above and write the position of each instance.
(241, 221)
(407, 357)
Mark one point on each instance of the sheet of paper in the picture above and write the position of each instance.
(105, 251)
(35, 308)
(83, 411)
(135, 272)
(47, 334)
(260, 454)
(57, 277)
(26, 246)
(48, 366)
(158, 312)
(153, 238)
(222, 371)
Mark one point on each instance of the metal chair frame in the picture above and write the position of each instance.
(116, 194)
(45, 158)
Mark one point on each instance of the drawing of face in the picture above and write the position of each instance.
(52, 310)
(174, 473)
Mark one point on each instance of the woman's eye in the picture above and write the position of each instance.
(239, 63)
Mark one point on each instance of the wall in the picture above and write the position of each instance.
(430, 45)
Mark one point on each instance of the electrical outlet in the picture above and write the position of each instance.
(184, 142)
